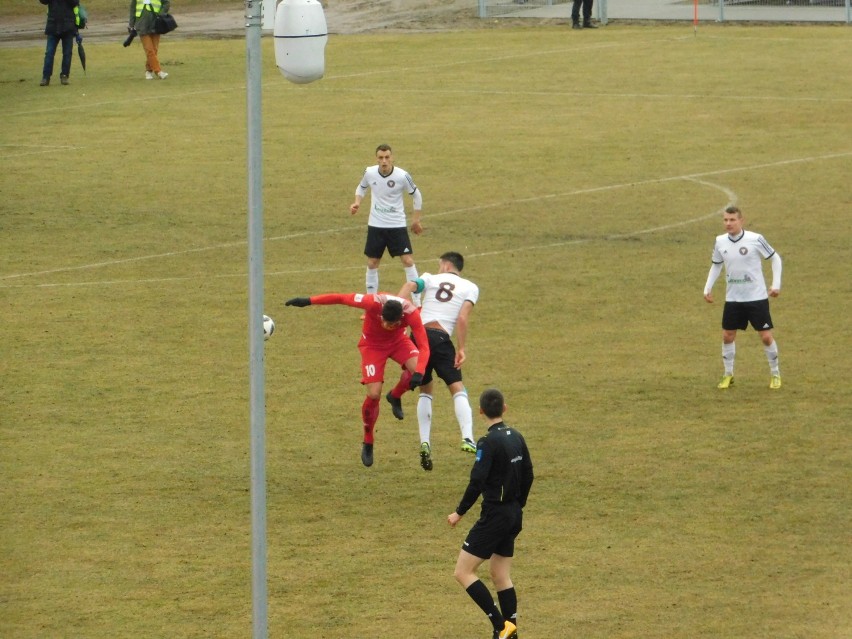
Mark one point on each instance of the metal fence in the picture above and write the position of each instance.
(728, 10)
(818, 10)
(505, 8)
(703, 10)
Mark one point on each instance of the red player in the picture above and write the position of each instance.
(383, 337)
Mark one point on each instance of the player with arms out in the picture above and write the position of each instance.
(448, 300)
(382, 337)
(746, 297)
(386, 226)
(503, 475)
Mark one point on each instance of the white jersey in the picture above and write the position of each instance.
(743, 266)
(444, 294)
(387, 209)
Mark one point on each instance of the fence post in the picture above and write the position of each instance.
(721, 10)
(483, 11)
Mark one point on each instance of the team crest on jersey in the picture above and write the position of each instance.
(743, 250)
(391, 184)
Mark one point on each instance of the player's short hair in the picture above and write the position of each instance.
(454, 258)
(734, 210)
(383, 147)
(491, 403)
(392, 311)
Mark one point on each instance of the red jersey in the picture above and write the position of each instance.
(373, 334)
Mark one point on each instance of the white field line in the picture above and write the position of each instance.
(694, 177)
(342, 229)
(576, 94)
(732, 199)
(456, 211)
(33, 149)
(589, 94)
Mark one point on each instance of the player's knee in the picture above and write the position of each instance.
(374, 394)
(461, 575)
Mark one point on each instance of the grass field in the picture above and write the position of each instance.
(582, 176)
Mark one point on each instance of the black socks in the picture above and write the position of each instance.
(478, 591)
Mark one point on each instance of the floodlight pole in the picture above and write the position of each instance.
(257, 380)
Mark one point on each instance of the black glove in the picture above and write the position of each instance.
(299, 301)
(416, 380)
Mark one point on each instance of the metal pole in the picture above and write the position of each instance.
(695, 18)
(255, 319)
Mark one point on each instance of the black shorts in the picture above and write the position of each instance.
(495, 531)
(395, 240)
(738, 315)
(442, 358)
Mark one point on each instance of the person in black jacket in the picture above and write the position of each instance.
(503, 474)
(61, 27)
(587, 14)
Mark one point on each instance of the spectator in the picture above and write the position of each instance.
(61, 27)
(143, 17)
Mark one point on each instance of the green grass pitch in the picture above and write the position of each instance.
(583, 179)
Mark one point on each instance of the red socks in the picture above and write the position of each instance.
(369, 414)
(402, 385)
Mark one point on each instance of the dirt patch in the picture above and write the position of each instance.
(342, 16)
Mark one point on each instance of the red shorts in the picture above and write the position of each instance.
(373, 360)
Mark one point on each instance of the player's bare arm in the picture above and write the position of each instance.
(461, 332)
(407, 289)
(416, 225)
(417, 202)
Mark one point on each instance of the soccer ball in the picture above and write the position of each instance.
(268, 327)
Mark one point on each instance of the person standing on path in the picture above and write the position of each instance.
(587, 14)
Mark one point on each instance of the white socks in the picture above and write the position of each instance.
(372, 280)
(729, 352)
(424, 416)
(464, 414)
(772, 357)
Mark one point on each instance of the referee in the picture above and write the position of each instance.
(503, 474)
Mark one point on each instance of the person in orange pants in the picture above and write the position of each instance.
(143, 14)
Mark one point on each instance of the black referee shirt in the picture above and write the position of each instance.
(502, 472)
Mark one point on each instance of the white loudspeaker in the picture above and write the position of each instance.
(300, 38)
